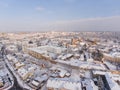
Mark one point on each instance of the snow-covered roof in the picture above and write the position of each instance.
(15, 60)
(112, 84)
(10, 57)
(22, 72)
(62, 73)
(116, 54)
(41, 78)
(19, 64)
(82, 64)
(35, 83)
(89, 84)
(59, 84)
(2, 72)
(47, 48)
(110, 66)
(96, 72)
(66, 56)
(113, 54)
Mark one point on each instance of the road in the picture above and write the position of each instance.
(16, 85)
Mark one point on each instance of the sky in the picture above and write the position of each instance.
(59, 15)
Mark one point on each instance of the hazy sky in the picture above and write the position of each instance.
(59, 15)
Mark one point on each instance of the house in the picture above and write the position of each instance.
(19, 65)
(24, 73)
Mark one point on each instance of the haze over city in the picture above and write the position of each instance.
(59, 45)
(59, 15)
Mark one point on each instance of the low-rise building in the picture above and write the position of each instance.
(114, 57)
(89, 85)
(111, 84)
(54, 84)
(45, 52)
(19, 65)
(11, 49)
(24, 73)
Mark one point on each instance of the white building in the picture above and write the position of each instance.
(89, 85)
(24, 73)
(111, 83)
(45, 52)
(53, 84)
